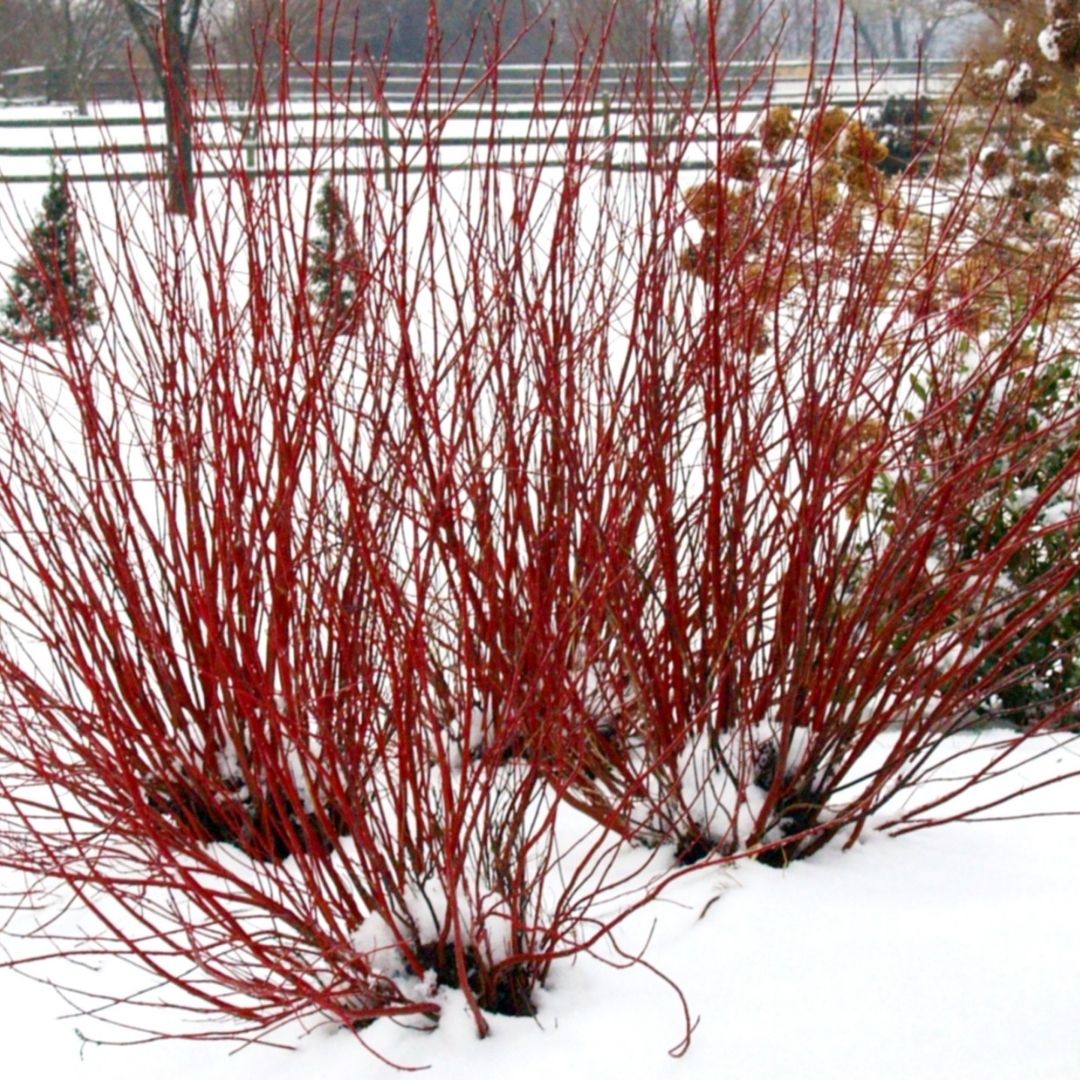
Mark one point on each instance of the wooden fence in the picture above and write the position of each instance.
(373, 125)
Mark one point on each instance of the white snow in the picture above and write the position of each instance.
(951, 952)
(712, 780)
(1019, 82)
(1048, 43)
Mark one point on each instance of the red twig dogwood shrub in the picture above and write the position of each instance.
(806, 577)
(349, 658)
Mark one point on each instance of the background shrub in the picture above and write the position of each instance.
(907, 128)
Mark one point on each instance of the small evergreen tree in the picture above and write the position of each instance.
(52, 288)
(907, 128)
(337, 271)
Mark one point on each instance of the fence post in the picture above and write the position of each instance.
(608, 149)
(387, 177)
(248, 130)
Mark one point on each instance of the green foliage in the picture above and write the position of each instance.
(1039, 443)
(52, 287)
(336, 269)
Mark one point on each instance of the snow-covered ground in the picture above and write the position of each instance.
(951, 953)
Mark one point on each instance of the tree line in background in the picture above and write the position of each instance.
(76, 39)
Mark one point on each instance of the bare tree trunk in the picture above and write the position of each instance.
(175, 78)
(866, 37)
(166, 29)
(899, 43)
(74, 75)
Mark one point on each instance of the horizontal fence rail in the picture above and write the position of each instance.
(391, 133)
(398, 81)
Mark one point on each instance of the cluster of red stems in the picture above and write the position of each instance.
(437, 630)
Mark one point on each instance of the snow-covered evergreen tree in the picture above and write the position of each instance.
(52, 286)
(337, 269)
